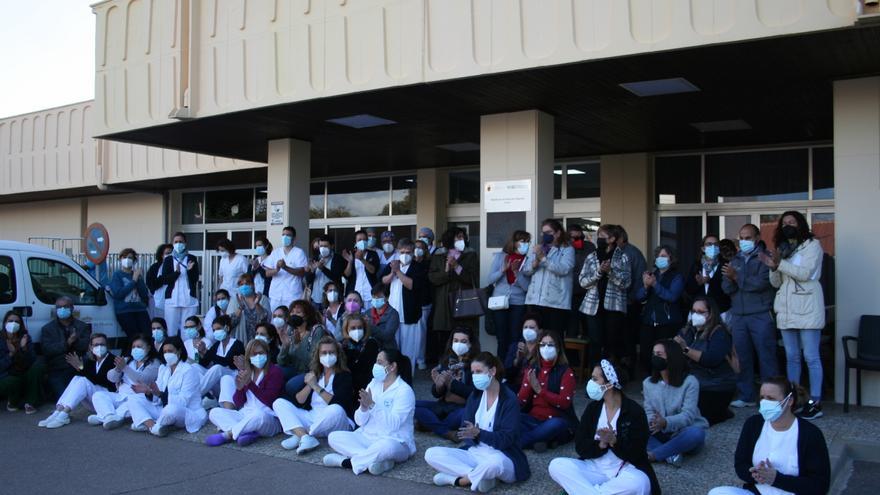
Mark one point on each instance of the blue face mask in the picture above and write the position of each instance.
(425, 240)
(712, 252)
(547, 238)
(63, 313)
(746, 246)
(190, 332)
(138, 354)
(771, 410)
(286, 240)
(371, 242)
(481, 381)
(378, 302)
(361, 245)
(259, 360)
(246, 290)
(661, 262)
(522, 248)
(379, 372)
(261, 251)
(223, 304)
(179, 247)
(220, 334)
(158, 335)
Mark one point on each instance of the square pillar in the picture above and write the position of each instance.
(431, 200)
(856, 231)
(626, 188)
(288, 177)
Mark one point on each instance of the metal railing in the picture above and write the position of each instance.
(70, 246)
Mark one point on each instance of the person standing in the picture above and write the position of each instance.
(550, 266)
(705, 277)
(62, 336)
(262, 283)
(510, 280)
(422, 258)
(361, 269)
(232, 265)
(130, 296)
(454, 266)
(660, 292)
(180, 275)
(426, 235)
(286, 266)
(582, 248)
(405, 281)
(633, 322)
(154, 283)
(328, 267)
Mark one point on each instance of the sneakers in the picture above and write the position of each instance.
(486, 485)
(675, 460)
(334, 460)
(378, 468)
(112, 422)
(443, 479)
(94, 420)
(10, 407)
(217, 439)
(43, 423)
(290, 442)
(61, 419)
(161, 431)
(209, 403)
(739, 403)
(140, 428)
(29, 409)
(812, 410)
(307, 443)
(248, 438)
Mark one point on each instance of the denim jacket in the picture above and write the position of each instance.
(552, 281)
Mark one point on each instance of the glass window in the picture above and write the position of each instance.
(590, 226)
(677, 179)
(401, 231)
(403, 195)
(241, 239)
(822, 226)
(727, 226)
(768, 229)
(193, 208)
(52, 279)
(195, 241)
(682, 234)
(464, 187)
(777, 175)
(261, 205)
(823, 173)
(582, 181)
(357, 198)
(557, 182)
(316, 200)
(230, 205)
(343, 238)
(7, 281)
(259, 234)
(212, 238)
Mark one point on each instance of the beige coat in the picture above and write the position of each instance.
(800, 303)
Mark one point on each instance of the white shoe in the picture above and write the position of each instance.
(290, 442)
(334, 460)
(43, 423)
(112, 422)
(160, 431)
(94, 420)
(60, 420)
(486, 485)
(140, 427)
(307, 443)
(209, 403)
(443, 479)
(378, 468)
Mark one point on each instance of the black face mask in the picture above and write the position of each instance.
(658, 363)
(790, 231)
(601, 244)
(295, 321)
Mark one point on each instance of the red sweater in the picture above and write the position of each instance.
(546, 404)
(267, 391)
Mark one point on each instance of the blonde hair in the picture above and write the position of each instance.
(252, 346)
(346, 321)
(315, 365)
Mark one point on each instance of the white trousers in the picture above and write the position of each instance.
(364, 451)
(409, 340)
(317, 423)
(211, 380)
(176, 316)
(249, 418)
(79, 389)
(729, 490)
(423, 323)
(578, 477)
(107, 403)
(171, 415)
(478, 463)
(227, 388)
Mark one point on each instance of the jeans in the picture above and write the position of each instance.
(754, 333)
(439, 417)
(664, 446)
(534, 430)
(294, 385)
(508, 327)
(809, 339)
(134, 323)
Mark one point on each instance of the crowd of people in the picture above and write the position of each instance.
(324, 346)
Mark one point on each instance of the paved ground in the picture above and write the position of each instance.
(79, 458)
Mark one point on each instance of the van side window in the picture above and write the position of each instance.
(52, 279)
(7, 280)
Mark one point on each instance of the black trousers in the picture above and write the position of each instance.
(607, 335)
(714, 405)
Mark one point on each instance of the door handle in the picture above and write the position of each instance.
(25, 311)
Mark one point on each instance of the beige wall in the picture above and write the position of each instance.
(133, 220)
(857, 232)
(208, 57)
(431, 199)
(626, 188)
(61, 218)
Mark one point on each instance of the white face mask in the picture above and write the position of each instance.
(170, 358)
(332, 296)
(530, 334)
(548, 353)
(356, 334)
(328, 360)
(388, 248)
(459, 245)
(127, 263)
(324, 251)
(405, 259)
(698, 320)
(12, 326)
(460, 348)
(278, 322)
(99, 351)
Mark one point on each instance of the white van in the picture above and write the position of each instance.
(33, 277)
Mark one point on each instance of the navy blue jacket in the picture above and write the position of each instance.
(505, 434)
(663, 300)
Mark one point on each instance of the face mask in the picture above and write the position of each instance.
(379, 372)
(286, 240)
(746, 246)
(481, 381)
(332, 296)
(277, 322)
(158, 335)
(419, 252)
(220, 335)
(578, 243)
(63, 313)
(378, 302)
(138, 354)
(522, 248)
(658, 363)
(261, 251)
(602, 244)
(170, 358)
(371, 242)
(356, 334)
(548, 353)
(771, 410)
(595, 391)
(324, 252)
(179, 247)
(712, 252)
(328, 360)
(360, 245)
(245, 291)
(460, 348)
(12, 326)
(263, 338)
(698, 320)
(405, 259)
(547, 238)
(190, 332)
(223, 304)
(224, 254)
(529, 334)
(460, 245)
(789, 231)
(127, 263)
(259, 360)
(388, 248)
(426, 240)
(662, 262)
(353, 307)
(99, 350)
(296, 321)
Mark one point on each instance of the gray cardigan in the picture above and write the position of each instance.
(551, 280)
(519, 288)
(678, 405)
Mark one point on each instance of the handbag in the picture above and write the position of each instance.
(497, 303)
(468, 303)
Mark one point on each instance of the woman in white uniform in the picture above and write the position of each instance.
(490, 432)
(180, 275)
(323, 403)
(232, 265)
(611, 443)
(385, 420)
(174, 400)
(193, 333)
(133, 376)
(257, 385)
(779, 453)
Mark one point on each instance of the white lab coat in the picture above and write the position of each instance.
(184, 407)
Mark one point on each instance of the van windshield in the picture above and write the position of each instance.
(52, 279)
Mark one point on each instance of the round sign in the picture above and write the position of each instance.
(96, 243)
